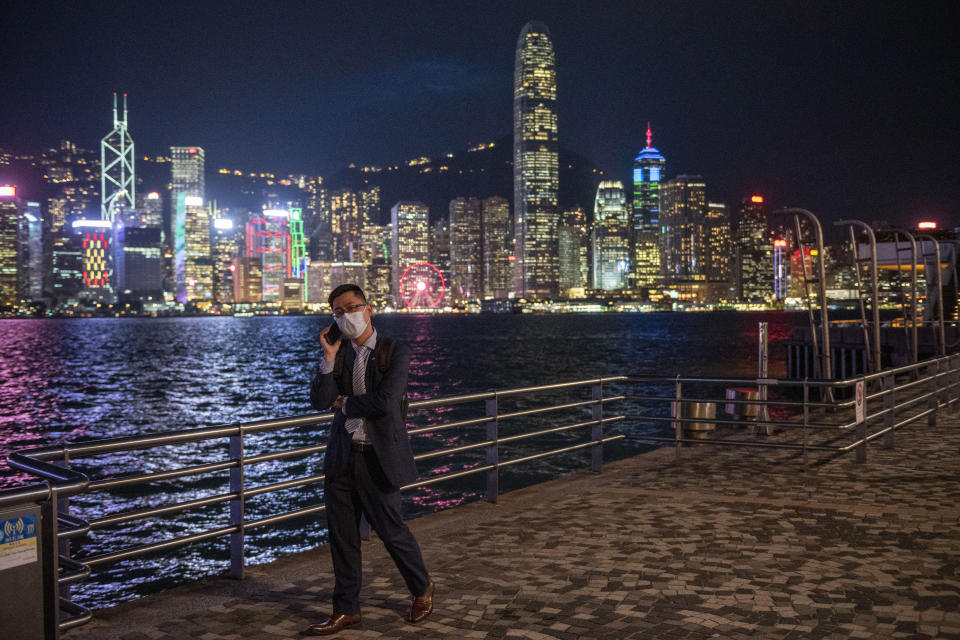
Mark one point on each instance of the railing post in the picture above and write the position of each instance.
(934, 389)
(51, 567)
(63, 546)
(806, 419)
(678, 414)
(493, 450)
(236, 506)
(890, 407)
(596, 431)
(955, 379)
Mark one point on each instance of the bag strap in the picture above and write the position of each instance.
(384, 353)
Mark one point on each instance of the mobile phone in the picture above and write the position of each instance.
(333, 334)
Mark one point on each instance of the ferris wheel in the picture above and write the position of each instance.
(422, 286)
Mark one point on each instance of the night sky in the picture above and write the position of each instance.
(846, 108)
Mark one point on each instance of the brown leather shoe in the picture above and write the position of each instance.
(333, 624)
(422, 605)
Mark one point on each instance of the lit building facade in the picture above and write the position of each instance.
(646, 232)
(226, 249)
(193, 265)
(346, 224)
(187, 167)
(31, 253)
(439, 240)
(719, 243)
(466, 249)
(574, 240)
(497, 248)
(139, 263)
(409, 242)
(683, 217)
(10, 206)
(535, 169)
(248, 280)
(754, 245)
(149, 210)
(610, 238)
(98, 259)
(268, 237)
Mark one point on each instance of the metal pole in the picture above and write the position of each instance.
(763, 415)
(678, 413)
(890, 407)
(237, 507)
(912, 328)
(826, 368)
(493, 450)
(874, 284)
(942, 350)
(596, 431)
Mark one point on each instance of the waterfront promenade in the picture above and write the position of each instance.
(727, 543)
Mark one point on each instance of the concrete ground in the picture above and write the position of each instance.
(725, 543)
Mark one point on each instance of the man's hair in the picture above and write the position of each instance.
(346, 288)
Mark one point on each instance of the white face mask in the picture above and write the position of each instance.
(352, 325)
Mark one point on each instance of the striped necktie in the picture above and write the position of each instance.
(359, 385)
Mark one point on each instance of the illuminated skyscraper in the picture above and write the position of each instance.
(346, 216)
(225, 252)
(719, 243)
(497, 248)
(535, 171)
(98, 259)
(268, 237)
(754, 245)
(573, 239)
(646, 232)
(31, 253)
(118, 180)
(193, 265)
(683, 217)
(611, 238)
(9, 246)
(150, 210)
(186, 174)
(410, 240)
(466, 249)
(139, 263)
(298, 247)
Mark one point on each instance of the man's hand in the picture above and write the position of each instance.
(329, 350)
(338, 403)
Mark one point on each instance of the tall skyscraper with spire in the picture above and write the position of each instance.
(118, 181)
(535, 170)
(645, 228)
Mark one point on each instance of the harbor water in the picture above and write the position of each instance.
(73, 380)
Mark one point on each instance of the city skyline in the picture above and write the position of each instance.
(804, 99)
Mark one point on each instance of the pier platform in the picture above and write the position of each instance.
(726, 543)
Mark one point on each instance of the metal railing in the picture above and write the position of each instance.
(52, 464)
(891, 399)
(807, 416)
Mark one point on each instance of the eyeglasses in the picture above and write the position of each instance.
(354, 307)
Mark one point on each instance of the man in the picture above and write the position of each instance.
(363, 376)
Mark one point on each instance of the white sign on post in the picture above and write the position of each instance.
(860, 402)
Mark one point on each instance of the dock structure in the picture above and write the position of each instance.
(723, 543)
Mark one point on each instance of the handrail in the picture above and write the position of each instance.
(934, 382)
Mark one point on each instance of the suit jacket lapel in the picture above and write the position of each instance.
(349, 358)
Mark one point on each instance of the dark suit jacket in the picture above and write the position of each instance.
(380, 405)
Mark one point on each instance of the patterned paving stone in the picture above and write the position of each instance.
(725, 543)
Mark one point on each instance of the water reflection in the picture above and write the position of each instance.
(72, 380)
